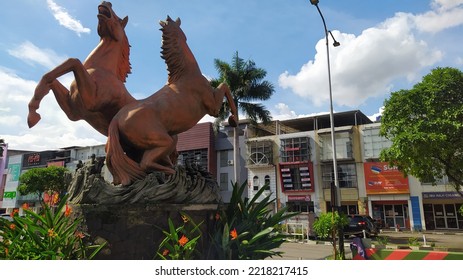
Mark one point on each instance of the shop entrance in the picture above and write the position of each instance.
(391, 215)
(442, 216)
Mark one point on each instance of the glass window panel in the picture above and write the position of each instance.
(438, 210)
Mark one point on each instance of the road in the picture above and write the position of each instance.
(447, 241)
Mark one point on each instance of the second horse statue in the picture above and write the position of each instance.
(142, 136)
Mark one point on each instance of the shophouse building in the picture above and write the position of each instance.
(294, 157)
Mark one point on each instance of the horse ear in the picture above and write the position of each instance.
(124, 21)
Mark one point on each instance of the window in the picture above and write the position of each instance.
(260, 152)
(343, 146)
(347, 175)
(267, 180)
(223, 158)
(198, 157)
(300, 206)
(345, 209)
(295, 150)
(255, 183)
(374, 143)
(296, 177)
(223, 181)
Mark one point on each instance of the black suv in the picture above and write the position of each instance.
(358, 223)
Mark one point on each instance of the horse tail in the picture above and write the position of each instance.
(124, 169)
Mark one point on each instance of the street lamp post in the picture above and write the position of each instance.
(333, 137)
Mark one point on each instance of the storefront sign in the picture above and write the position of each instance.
(299, 198)
(14, 170)
(10, 195)
(441, 195)
(296, 177)
(33, 159)
(55, 163)
(380, 178)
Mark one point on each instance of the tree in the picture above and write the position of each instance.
(46, 179)
(329, 225)
(425, 125)
(247, 86)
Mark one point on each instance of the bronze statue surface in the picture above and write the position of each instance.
(98, 91)
(143, 134)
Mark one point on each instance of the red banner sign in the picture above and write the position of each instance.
(299, 198)
(380, 178)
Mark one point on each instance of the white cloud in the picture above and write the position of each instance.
(443, 5)
(54, 130)
(283, 112)
(367, 65)
(65, 19)
(31, 54)
(446, 14)
(375, 116)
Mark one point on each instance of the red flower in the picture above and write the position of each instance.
(12, 226)
(68, 211)
(183, 240)
(25, 206)
(14, 213)
(233, 234)
(165, 252)
(79, 234)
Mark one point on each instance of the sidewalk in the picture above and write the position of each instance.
(445, 240)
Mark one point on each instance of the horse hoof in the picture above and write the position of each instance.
(232, 121)
(33, 118)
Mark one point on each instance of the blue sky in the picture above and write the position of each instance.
(385, 46)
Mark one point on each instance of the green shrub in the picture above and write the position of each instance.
(180, 242)
(382, 240)
(326, 224)
(245, 229)
(49, 235)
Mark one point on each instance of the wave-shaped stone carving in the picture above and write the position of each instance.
(190, 184)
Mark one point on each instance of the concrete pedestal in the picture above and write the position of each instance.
(134, 232)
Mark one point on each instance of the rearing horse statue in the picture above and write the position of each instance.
(98, 91)
(143, 134)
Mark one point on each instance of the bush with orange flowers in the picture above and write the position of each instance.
(246, 229)
(180, 242)
(49, 235)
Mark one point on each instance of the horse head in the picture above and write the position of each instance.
(109, 24)
(175, 51)
(112, 29)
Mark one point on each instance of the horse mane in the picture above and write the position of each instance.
(175, 51)
(125, 67)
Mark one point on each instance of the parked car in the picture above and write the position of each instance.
(6, 216)
(359, 223)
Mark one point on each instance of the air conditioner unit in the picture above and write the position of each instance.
(230, 162)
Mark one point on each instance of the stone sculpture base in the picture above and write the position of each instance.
(134, 232)
(190, 184)
(131, 218)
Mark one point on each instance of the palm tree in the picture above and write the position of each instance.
(247, 86)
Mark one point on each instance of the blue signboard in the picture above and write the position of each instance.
(416, 213)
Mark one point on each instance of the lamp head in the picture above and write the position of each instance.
(336, 43)
(314, 2)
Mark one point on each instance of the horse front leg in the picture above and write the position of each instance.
(47, 81)
(63, 98)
